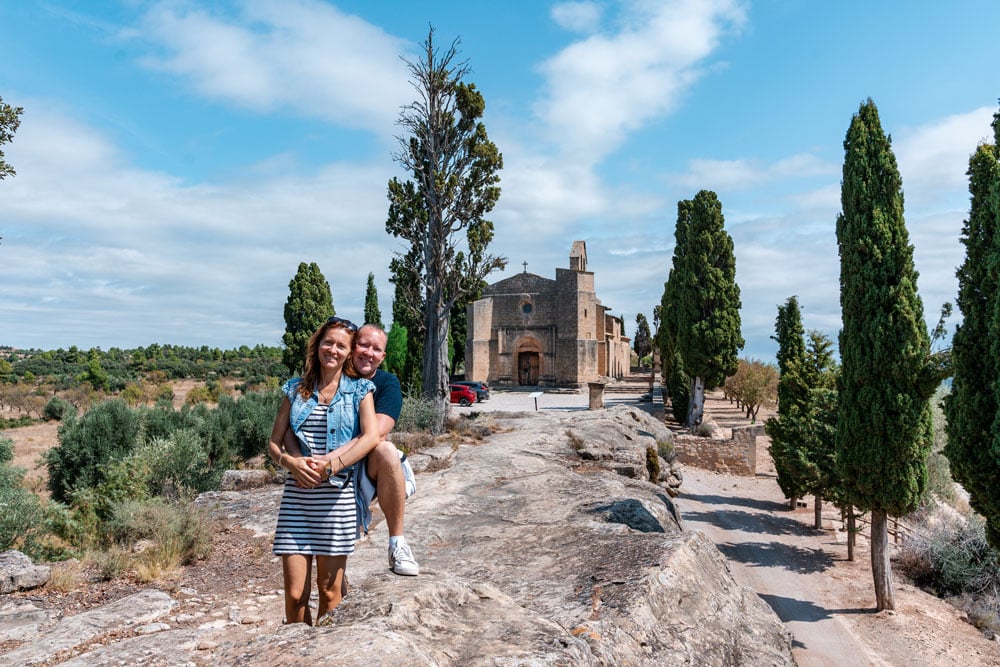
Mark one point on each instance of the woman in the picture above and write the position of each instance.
(325, 408)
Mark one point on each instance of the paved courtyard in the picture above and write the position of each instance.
(551, 400)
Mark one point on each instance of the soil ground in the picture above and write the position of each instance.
(801, 572)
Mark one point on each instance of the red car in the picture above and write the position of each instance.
(463, 395)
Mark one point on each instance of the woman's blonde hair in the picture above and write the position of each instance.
(311, 376)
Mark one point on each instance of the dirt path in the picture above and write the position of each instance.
(803, 573)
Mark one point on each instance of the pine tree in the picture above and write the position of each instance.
(372, 313)
(708, 300)
(308, 306)
(455, 170)
(884, 420)
(973, 406)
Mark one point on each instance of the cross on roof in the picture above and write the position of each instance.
(525, 266)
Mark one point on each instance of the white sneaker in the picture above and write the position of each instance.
(401, 560)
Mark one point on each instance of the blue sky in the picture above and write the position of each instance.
(177, 160)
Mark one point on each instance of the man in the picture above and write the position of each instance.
(380, 474)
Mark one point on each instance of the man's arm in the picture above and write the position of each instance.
(388, 401)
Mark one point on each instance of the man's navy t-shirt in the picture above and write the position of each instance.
(388, 394)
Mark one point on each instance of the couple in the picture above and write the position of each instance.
(329, 435)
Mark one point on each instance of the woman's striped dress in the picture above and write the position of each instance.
(320, 521)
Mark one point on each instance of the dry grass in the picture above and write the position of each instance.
(66, 576)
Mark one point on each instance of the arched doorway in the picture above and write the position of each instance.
(527, 368)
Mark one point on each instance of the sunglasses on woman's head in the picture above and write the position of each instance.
(347, 324)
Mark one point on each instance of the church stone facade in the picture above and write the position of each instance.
(533, 331)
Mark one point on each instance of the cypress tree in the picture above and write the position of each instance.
(676, 381)
(792, 397)
(308, 306)
(973, 405)
(708, 300)
(643, 343)
(373, 315)
(884, 420)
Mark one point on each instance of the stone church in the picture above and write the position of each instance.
(533, 331)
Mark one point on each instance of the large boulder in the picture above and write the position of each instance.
(17, 572)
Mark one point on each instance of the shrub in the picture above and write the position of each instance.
(665, 448)
(26, 522)
(199, 395)
(21, 513)
(418, 414)
(133, 394)
(652, 464)
(178, 533)
(176, 466)
(248, 421)
(87, 444)
(948, 554)
(56, 409)
(6, 450)
(704, 430)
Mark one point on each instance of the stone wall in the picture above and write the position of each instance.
(735, 456)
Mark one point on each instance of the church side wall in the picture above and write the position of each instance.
(479, 315)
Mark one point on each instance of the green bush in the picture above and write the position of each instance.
(21, 512)
(665, 448)
(56, 409)
(418, 414)
(176, 466)
(245, 424)
(87, 444)
(6, 450)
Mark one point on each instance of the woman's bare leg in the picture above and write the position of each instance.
(297, 570)
(330, 581)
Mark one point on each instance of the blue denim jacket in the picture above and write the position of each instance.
(342, 423)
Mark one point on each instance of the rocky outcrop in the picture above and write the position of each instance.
(624, 439)
(71, 631)
(530, 554)
(17, 572)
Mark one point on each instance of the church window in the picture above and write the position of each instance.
(526, 308)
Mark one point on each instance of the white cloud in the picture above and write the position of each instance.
(302, 55)
(90, 240)
(577, 16)
(606, 86)
(933, 158)
(743, 174)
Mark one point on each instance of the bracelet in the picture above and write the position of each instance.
(280, 456)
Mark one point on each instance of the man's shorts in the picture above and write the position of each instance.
(366, 486)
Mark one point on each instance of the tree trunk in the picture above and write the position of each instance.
(818, 511)
(793, 503)
(852, 530)
(881, 569)
(435, 372)
(696, 406)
